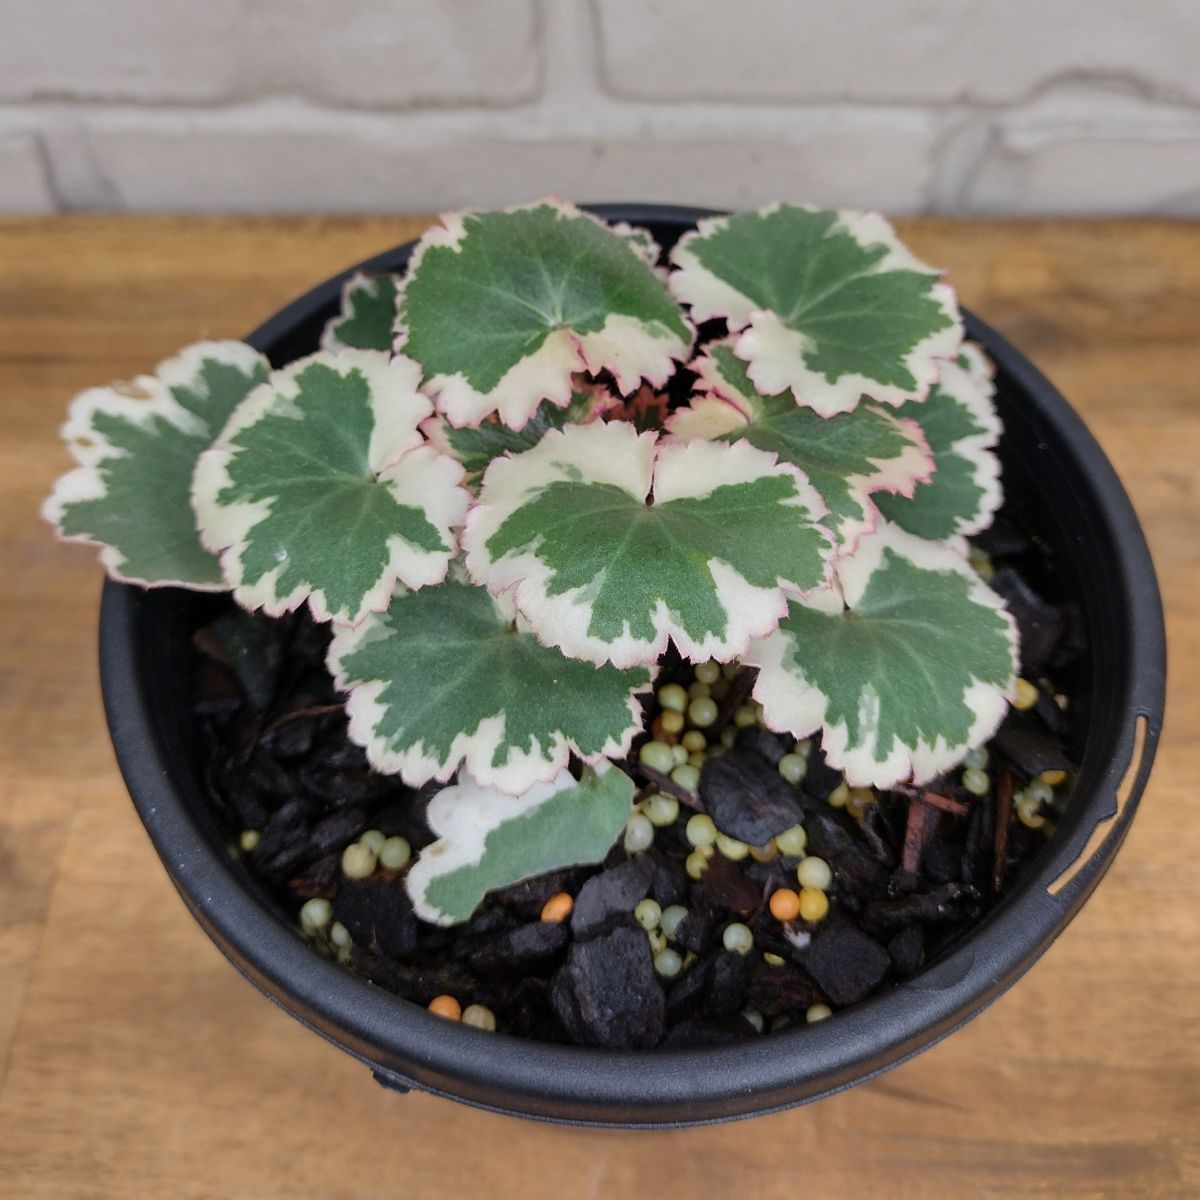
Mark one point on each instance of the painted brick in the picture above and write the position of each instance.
(354, 52)
(1089, 175)
(24, 187)
(942, 51)
(1085, 153)
(279, 162)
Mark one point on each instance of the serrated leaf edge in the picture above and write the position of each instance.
(545, 373)
(790, 703)
(359, 282)
(722, 409)
(974, 391)
(136, 400)
(773, 357)
(636, 463)
(463, 844)
(433, 427)
(472, 750)
(395, 442)
(774, 352)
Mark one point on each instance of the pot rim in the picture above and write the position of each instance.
(407, 1046)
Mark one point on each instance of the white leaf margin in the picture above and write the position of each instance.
(462, 817)
(602, 404)
(415, 474)
(975, 391)
(358, 284)
(775, 354)
(137, 401)
(623, 345)
(643, 241)
(473, 750)
(791, 703)
(721, 408)
(617, 454)
(978, 365)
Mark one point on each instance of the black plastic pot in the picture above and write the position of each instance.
(1059, 485)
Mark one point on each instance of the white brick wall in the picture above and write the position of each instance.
(884, 51)
(24, 184)
(996, 106)
(343, 53)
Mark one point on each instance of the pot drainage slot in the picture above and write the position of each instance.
(1125, 792)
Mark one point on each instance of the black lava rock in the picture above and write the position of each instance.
(378, 915)
(611, 893)
(846, 963)
(517, 949)
(607, 994)
(770, 747)
(747, 799)
(834, 837)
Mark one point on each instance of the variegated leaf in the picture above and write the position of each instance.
(502, 308)
(617, 542)
(488, 839)
(903, 672)
(449, 676)
(846, 457)
(368, 315)
(476, 446)
(831, 305)
(960, 423)
(642, 240)
(974, 360)
(321, 489)
(137, 444)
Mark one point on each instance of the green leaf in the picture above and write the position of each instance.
(368, 315)
(502, 308)
(960, 423)
(488, 840)
(138, 444)
(607, 575)
(321, 489)
(831, 304)
(846, 457)
(506, 707)
(476, 446)
(904, 678)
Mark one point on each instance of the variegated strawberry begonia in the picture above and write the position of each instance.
(510, 480)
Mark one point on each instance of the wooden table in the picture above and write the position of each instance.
(136, 1063)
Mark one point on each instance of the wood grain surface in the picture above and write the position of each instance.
(137, 1063)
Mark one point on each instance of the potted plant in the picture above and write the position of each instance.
(660, 565)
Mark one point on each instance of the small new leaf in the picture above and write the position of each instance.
(959, 421)
(321, 489)
(904, 677)
(830, 305)
(502, 308)
(488, 839)
(506, 707)
(476, 446)
(617, 542)
(846, 457)
(368, 315)
(138, 444)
